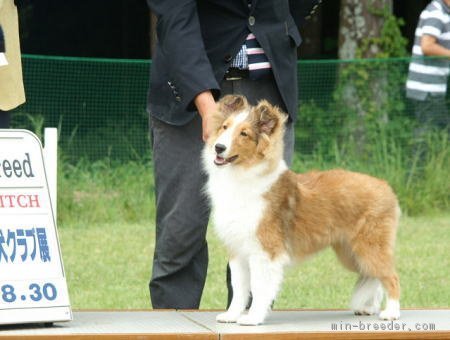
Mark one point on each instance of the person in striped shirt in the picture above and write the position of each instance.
(427, 80)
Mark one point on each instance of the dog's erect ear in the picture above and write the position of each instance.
(225, 107)
(232, 103)
(268, 117)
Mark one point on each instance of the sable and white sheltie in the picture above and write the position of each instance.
(268, 217)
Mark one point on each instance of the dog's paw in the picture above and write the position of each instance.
(228, 317)
(367, 310)
(392, 310)
(250, 320)
(389, 314)
(362, 312)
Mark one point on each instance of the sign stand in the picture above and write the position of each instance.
(33, 286)
(51, 163)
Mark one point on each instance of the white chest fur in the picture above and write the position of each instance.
(238, 204)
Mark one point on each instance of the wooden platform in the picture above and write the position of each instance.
(304, 324)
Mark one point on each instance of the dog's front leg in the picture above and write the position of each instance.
(266, 276)
(240, 281)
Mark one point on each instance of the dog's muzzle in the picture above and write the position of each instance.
(220, 161)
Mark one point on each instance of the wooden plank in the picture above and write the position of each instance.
(283, 325)
(327, 324)
(341, 335)
(116, 325)
(154, 336)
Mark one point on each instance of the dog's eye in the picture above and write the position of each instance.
(224, 127)
(244, 134)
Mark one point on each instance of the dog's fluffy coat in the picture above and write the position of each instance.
(268, 216)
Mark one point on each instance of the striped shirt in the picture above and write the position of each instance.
(251, 57)
(258, 64)
(429, 76)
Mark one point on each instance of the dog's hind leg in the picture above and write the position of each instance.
(368, 292)
(240, 281)
(374, 254)
(367, 296)
(392, 286)
(345, 256)
(380, 268)
(266, 276)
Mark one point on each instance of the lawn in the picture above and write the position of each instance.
(106, 209)
(108, 266)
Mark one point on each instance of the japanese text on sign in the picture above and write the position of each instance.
(24, 245)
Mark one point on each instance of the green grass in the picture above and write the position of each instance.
(101, 192)
(106, 215)
(109, 265)
(420, 182)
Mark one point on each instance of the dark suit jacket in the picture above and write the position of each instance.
(2, 41)
(197, 40)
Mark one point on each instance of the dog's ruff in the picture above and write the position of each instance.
(267, 216)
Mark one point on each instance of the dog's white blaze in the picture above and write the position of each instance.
(226, 138)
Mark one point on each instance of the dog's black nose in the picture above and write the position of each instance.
(220, 148)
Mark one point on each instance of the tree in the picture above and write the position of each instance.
(360, 20)
(370, 91)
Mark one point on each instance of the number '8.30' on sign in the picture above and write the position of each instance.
(35, 293)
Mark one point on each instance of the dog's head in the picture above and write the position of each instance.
(245, 135)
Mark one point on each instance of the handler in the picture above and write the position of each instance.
(207, 49)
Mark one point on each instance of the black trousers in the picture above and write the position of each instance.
(182, 211)
(5, 119)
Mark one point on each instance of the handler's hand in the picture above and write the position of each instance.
(206, 106)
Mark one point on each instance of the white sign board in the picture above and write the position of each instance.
(33, 286)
